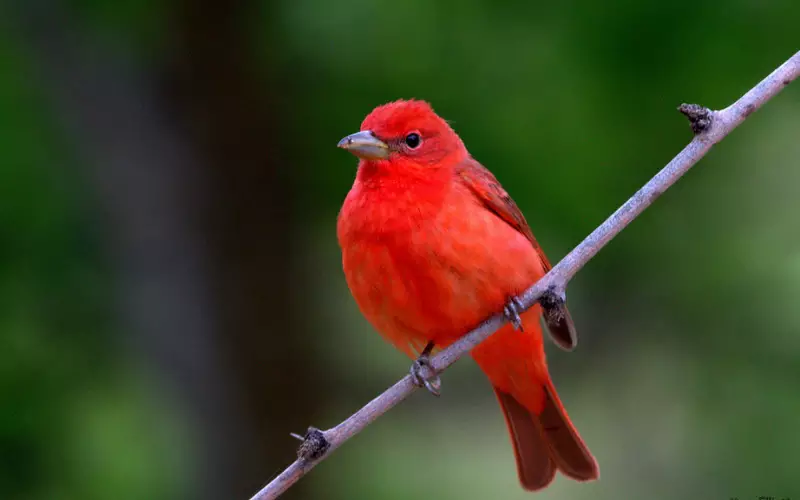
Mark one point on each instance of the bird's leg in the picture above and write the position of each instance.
(422, 372)
(511, 312)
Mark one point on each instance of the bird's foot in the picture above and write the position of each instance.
(423, 374)
(511, 312)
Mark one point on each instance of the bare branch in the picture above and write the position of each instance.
(709, 126)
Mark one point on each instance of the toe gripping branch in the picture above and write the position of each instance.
(553, 303)
(512, 310)
(423, 374)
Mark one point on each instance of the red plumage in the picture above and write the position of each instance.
(432, 245)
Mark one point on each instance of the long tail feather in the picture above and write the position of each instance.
(535, 466)
(545, 442)
(566, 446)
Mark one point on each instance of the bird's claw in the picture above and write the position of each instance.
(511, 312)
(423, 375)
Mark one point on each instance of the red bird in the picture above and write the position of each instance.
(431, 246)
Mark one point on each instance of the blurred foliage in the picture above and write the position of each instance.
(685, 382)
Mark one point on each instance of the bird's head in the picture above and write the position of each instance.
(405, 136)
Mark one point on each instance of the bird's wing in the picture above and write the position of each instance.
(488, 190)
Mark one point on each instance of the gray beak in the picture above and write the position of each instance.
(365, 145)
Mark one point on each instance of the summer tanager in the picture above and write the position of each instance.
(431, 246)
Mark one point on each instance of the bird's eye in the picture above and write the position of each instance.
(412, 140)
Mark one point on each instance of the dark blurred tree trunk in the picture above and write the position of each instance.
(234, 115)
(186, 156)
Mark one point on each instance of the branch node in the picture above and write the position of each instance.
(699, 117)
(552, 302)
(315, 444)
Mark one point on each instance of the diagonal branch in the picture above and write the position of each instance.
(709, 127)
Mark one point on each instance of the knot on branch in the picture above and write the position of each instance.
(314, 445)
(559, 324)
(700, 117)
(552, 303)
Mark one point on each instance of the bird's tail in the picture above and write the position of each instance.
(542, 434)
(546, 442)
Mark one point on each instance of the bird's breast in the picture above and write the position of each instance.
(420, 274)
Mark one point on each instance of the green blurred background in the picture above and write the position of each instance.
(172, 303)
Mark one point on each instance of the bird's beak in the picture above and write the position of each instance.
(365, 145)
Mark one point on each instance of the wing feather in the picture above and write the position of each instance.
(488, 190)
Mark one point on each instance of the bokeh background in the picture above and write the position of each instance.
(172, 303)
